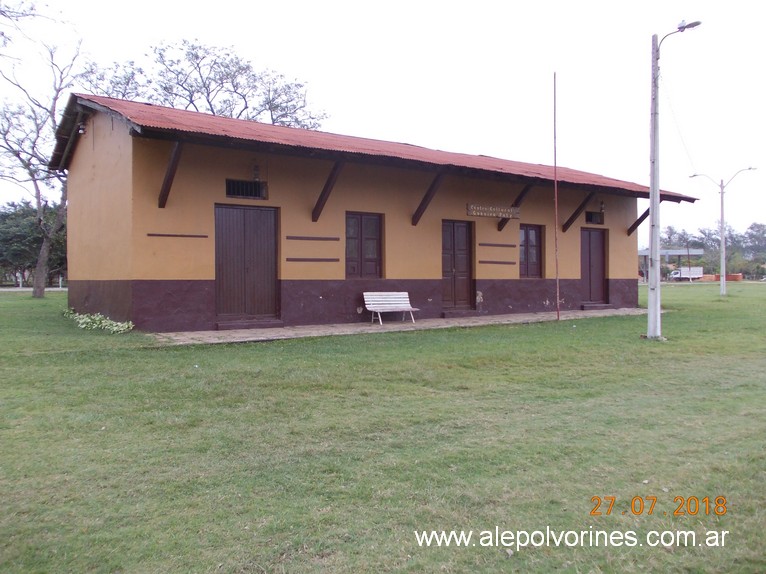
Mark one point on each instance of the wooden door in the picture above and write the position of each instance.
(246, 262)
(593, 264)
(457, 265)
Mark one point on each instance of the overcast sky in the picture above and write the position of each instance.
(477, 77)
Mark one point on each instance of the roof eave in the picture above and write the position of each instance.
(334, 155)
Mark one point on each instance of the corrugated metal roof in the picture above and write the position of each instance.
(147, 117)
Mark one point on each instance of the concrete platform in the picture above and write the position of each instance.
(390, 326)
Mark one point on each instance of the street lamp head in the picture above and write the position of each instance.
(732, 177)
(704, 175)
(681, 27)
(684, 26)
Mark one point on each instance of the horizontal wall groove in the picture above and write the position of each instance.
(509, 245)
(310, 238)
(312, 259)
(189, 235)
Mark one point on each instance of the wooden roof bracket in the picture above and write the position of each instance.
(638, 222)
(578, 211)
(170, 174)
(516, 203)
(430, 193)
(74, 134)
(327, 190)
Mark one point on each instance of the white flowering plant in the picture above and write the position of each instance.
(92, 321)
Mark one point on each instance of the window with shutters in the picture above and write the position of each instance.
(363, 245)
(531, 251)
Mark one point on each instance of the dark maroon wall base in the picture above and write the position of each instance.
(190, 305)
(325, 302)
(539, 295)
(174, 305)
(110, 298)
(623, 293)
(151, 305)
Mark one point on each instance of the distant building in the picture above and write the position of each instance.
(679, 254)
(668, 254)
(186, 221)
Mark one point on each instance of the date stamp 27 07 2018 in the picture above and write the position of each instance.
(647, 505)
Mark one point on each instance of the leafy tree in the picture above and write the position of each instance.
(192, 76)
(21, 238)
(19, 243)
(737, 263)
(710, 239)
(755, 241)
(735, 242)
(671, 238)
(745, 252)
(686, 239)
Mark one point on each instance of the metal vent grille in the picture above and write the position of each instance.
(594, 217)
(248, 189)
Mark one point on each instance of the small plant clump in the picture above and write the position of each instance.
(92, 321)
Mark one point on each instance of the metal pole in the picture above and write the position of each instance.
(654, 326)
(723, 248)
(556, 205)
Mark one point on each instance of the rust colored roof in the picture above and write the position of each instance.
(149, 119)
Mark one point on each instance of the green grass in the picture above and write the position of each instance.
(326, 454)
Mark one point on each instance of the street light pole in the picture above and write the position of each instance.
(722, 231)
(722, 225)
(654, 325)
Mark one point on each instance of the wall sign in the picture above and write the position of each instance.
(478, 210)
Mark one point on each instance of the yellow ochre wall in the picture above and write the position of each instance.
(99, 207)
(124, 250)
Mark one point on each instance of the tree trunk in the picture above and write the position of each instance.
(41, 269)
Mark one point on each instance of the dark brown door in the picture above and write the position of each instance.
(593, 264)
(457, 280)
(246, 262)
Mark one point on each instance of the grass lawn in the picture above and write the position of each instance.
(327, 454)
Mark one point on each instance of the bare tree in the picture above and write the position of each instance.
(27, 133)
(188, 76)
(284, 103)
(192, 76)
(10, 16)
(124, 81)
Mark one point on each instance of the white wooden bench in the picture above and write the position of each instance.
(388, 301)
